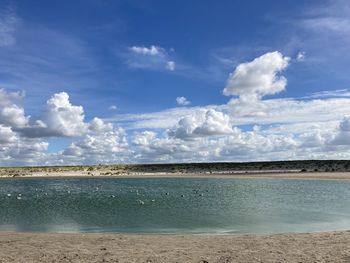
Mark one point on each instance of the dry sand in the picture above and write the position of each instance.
(53, 247)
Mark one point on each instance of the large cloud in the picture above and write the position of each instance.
(11, 110)
(63, 118)
(210, 122)
(60, 119)
(237, 146)
(102, 143)
(343, 135)
(23, 141)
(15, 150)
(7, 136)
(258, 78)
(251, 81)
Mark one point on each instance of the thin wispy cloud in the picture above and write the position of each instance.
(170, 65)
(332, 16)
(301, 56)
(8, 23)
(113, 107)
(149, 58)
(341, 93)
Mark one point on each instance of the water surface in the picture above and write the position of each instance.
(174, 205)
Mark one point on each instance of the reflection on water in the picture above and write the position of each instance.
(171, 205)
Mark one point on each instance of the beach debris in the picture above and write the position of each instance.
(167, 193)
(153, 200)
(182, 195)
(8, 195)
(113, 196)
(141, 202)
(19, 198)
(200, 194)
(68, 192)
(19, 194)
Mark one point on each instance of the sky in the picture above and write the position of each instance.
(90, 82)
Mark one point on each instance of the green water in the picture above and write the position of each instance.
(171, 205)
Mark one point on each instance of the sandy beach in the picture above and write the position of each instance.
(66, 247)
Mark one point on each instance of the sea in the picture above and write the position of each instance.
(173, 205)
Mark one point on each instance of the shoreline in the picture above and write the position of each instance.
(249, 175)
(331, 246)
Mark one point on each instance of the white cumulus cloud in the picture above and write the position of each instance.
(249, 127)
(182, 101)
(60, 119)
(64, 118)
(259, 77)
(210, 123)
(102, 143)
(151, 51)
(11, 110)
(7, 136)
(343, 135)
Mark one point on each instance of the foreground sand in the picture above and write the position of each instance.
(52, 247)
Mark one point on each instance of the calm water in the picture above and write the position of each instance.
(171, 205)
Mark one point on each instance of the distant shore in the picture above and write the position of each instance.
(302, 169)
(81, 247)
(238, 175)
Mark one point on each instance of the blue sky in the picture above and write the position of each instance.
(127, 62)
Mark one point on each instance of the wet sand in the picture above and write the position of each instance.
(64, 247)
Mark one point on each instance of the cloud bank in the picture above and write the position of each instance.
(249, 127)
